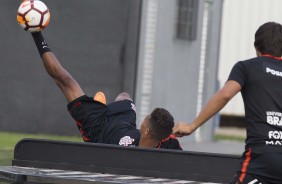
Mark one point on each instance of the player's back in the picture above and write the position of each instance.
(262, 95)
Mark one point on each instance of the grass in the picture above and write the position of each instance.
(219, 137)
(8, 141)
(230, 134)
(6, 156)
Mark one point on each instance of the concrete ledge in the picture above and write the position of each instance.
(111, 159)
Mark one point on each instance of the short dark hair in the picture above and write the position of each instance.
(161, 123)
(268, 39)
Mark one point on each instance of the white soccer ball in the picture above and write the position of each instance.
(33, 15)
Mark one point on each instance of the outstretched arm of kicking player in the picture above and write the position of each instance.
(63, 79)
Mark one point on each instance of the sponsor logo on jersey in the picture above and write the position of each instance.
(274, 118)
(274, 143)
(273, 72)
(126, 141)
(275, 138)
(255, 181)
(275, 135)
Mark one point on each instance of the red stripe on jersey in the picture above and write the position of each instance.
(76, 105)
(85, 139)
(78, 123)
(171, 136)
(159, 145)
(245, 165)
(268, 55)
(82, 132)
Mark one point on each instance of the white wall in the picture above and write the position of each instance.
(240, 20)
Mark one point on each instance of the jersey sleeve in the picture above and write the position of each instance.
(238, 73)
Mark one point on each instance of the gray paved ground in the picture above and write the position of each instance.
(225, 147)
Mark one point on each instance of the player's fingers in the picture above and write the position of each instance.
(174, 130)
(177, 132)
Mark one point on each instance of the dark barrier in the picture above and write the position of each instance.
(111, 159)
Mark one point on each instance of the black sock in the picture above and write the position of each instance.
(40, 43)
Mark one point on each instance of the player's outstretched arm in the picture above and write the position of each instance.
(214, 105)
(63, 79)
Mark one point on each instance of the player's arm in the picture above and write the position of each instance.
(214, 105)
(63, 79)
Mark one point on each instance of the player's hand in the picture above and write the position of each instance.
(182, 129)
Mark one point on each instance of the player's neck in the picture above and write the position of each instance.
(274, 57)
(148, 143)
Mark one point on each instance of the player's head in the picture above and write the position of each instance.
(268, 39)
(157, 125)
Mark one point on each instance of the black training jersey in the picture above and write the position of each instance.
(121, 127)
(100, 123)
(261, 88)
(110, 124)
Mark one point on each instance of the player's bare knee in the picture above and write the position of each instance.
(123, 96)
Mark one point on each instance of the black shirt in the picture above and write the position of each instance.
(261, 88)
(114, 123)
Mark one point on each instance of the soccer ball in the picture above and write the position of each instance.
(33, 15)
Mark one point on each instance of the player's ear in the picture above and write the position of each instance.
(147, 131)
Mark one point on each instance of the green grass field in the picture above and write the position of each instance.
(219, 137)
(9, 140)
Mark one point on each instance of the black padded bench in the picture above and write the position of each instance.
(47, 161)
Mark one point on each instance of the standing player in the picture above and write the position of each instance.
(113, 123)
(260, 81)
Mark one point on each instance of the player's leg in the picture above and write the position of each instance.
(250, 179)
(123, 106)
(90, 116)
(123, 96)
(121, 121)
(260, 168)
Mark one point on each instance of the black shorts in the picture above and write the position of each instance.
(90, 117)
(257, 168)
